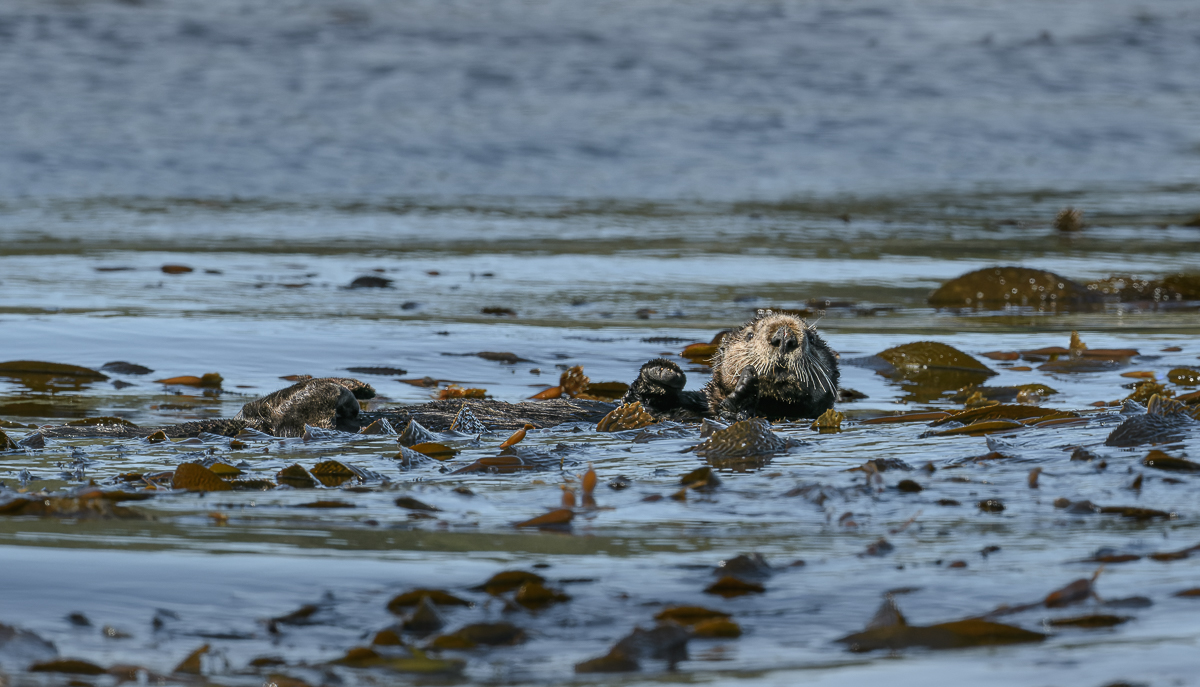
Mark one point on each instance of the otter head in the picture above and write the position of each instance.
(773, 344)
(782, 350)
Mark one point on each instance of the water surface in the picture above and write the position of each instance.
(625, 178)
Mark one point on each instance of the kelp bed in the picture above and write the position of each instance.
(1016, 517)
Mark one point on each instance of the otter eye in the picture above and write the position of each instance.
(749, 335)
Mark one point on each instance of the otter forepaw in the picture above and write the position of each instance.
(663, 373)
(744, 391)
(658, 386)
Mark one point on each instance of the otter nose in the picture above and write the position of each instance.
(784, 340)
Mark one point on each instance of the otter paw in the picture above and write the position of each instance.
(744, 391)
(663, 373)
(658, 386)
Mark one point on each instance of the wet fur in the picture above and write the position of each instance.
(774, 366)
(327, 402)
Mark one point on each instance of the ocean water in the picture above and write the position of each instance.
(623, 178)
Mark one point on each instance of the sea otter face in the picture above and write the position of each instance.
(772, 344)
(787, 357)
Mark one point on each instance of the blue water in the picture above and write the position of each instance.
(626, 177)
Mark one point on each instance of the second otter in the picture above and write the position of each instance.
(774, 366)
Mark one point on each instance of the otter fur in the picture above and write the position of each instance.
(774, 366)
(326, 402)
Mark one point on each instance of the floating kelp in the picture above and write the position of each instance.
(414, 434)
(1184, 376)
(69, 666)
(466, 422)
(889, 630)
(719, 628)
(604, 391)
(1129, 288)
(1089, 621)
(42, 377)
(455, 391)
(665, 642)
(991, 505)
(120, 367)
(96, 421)
(1135, 512)
(332, 473)
(931, 416)
(252, 485)
(35, 441)
(435, 450)
(535, 595)
(730, 586)
(370, 281)
(914, 358)
(508, 462)
(702, 353)
(700, 479)
(196, 477)
(1074, 592)
(627, 416)
(296, 477)
(573, 381)
(488, 634)
(412, 598)
(746, 566)
(1080, 365)
(424, 619)
(1069, 220)
(379, 427)
(829, 422)
(425, 382)
(1165, 420)
(689, 615)
(89, 505)
(501, 357)
(1161, 461)
(210, 380)
(1029, 394)
(417, 663)
(509, 580)
(993, 287)
(926, 369)
(387, 637)
(409, 459)
(409, 503)
(744, 439)
(517, 436)
(555, 519)
(300, 616)
(980, 428)
(381, 371)
(997, 412)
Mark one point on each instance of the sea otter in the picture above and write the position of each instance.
(326, 402)
(774, 366)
